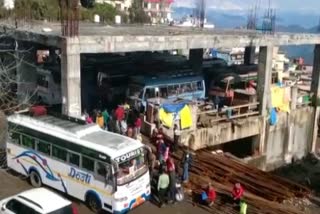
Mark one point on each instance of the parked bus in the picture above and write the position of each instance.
(171, 86)
(106, 170)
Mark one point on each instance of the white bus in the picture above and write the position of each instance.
(106, 170)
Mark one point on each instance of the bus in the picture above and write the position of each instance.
(170, 86)
(106, 170)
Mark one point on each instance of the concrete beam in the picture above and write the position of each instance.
(249, 55)
(71, 78)
(196, 59)
(315, 89)
(264, 78)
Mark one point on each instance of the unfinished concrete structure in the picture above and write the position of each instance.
(294, 135)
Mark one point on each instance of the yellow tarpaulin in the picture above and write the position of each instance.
(185, 117)
(280, 99)
(166, 118)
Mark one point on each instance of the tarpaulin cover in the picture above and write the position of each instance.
(280, 98)
(185, 117)
(273, 117)
(173, 108)
(166, 118)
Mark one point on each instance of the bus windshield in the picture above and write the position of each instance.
(131, 169)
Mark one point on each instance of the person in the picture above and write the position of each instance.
(105, 115)
(119, 116)
(126, 106)
(237, 193)
(172, 176)
(137, 126)
(89, 120)
(163, 184)
(160, 136)
(100, 120)
(250, 89)
(151, 161)
(211, 195)
(166, 154)
(186, 162)
(161, 151)
(243, 207)
(130, 132)
(176, 138)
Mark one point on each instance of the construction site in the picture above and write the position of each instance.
(241, 122)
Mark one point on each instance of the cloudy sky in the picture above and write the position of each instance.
(291, 5)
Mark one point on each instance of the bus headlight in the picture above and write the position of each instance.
(122, 199)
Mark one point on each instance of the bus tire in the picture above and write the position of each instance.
(93, 203)
(35, 179)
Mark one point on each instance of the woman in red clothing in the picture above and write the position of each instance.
(237, 193)
(209, 196)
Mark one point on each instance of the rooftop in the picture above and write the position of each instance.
(98, 38)
(91, 136)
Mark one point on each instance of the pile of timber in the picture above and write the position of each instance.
(264, 192)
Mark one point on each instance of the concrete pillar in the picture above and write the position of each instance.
(249, 55)
(71, 77)
(315, 90)
(196, 59)
(263, 92)
(264, 79)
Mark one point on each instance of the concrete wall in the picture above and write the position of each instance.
(222, 133)
(290, 138)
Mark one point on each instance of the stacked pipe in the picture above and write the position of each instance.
(264, 192)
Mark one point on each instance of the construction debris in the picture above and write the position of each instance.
(264, 192)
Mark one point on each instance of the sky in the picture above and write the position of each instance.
(286, 5)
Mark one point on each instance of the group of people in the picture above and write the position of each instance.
(122, 120)
(168, 173)
(209, 195)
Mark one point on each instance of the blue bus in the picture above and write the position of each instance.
(170, 86)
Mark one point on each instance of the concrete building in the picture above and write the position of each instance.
(122, 5)
(158, 10)
(293, 136)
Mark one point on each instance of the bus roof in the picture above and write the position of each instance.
(167, 78)
(90, 136)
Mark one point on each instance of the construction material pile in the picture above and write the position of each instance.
(264, 192)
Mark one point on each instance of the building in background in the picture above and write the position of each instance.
(121, 5)
(158, 10)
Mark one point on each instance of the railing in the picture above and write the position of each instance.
(232, 112)
(3, 159)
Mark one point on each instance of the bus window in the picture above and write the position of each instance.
(28, 142)
(186, 87)
(44, 147)
(101, 169)
(199, 85)
(15, 138)
(59, 153)
(163, 92)
(173, 90)
(74, 159)
(150, 93)
(88, 164)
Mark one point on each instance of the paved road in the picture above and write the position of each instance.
(12, 184)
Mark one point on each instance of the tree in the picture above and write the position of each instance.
(137, 14)
(10, 59)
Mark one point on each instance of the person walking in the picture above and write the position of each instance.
(163, 184)
(106, 118)
(172, 177)
(176, 138)
(186, 162)
(137, 126)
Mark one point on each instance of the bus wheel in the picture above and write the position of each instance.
(35, 179)
(93, 203)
